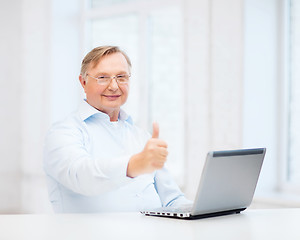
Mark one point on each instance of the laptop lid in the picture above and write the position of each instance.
(228, 180)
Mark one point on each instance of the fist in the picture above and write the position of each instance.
(155, 151)
(153, 156)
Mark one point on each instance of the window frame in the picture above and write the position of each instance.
(284, 92)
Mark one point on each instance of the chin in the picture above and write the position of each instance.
(113, 105)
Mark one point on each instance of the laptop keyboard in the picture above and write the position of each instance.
(181, 209)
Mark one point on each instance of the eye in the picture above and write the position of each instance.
(121, 76)
(103, 77)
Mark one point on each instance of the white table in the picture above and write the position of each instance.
(251, 224)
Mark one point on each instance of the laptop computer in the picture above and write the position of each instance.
(227, 185)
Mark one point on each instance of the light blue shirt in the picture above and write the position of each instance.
(86, 158)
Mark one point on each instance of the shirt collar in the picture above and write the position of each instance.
(86, 110)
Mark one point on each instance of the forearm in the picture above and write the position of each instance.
(87, 176)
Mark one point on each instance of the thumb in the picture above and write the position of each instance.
(155, 133)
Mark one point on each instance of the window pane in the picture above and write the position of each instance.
(294, 131)
(102, 3)
(166, 81)
(123, 32)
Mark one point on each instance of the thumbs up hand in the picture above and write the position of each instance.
(152, 158)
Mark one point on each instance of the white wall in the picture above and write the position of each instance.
(34, 118)
(39, 58)
(10, 87)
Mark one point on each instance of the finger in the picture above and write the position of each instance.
(158, 165)
(163, 152)
(159, 143)
(155, 133)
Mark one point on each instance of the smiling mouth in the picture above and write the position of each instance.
(112, 97)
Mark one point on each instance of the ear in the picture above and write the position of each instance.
(82, 81)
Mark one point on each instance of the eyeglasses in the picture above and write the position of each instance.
(121, 79)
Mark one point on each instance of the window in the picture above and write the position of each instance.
(151, 32)
(103, 3)
(166, 80)
(293, 169)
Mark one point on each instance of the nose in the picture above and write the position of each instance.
(113, 85)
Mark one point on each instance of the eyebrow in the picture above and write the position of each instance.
(104, 73)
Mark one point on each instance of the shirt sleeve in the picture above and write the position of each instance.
(168, 190)
(68, 162)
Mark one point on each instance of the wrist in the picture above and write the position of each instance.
(134, 167)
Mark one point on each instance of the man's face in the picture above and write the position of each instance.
(107, 98)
